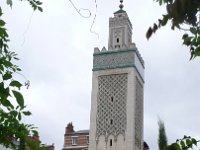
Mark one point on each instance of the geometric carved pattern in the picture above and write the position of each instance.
(111, 105)
(121, 22)
(114, 59)
(118, 59)
(139, 114)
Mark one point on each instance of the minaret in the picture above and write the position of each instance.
(120, 30)
(116, 119)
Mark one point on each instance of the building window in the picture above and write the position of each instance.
(110, 142)
(117, 40)
(74, 140)
(87, 136)
(111, 121)
(117, 46)
(112, 99)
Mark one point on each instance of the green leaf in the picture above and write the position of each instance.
(149, 33)
(165, 20)
(26, 113)
(173, 146)
(193, 30)
(1, 67)
(198, 40)
(155, 27)
(7, 64)
(7, 76)
(35, 132)
(187, 41)
(182, 144)
(7, 103)
(19, 98)
(197, 52)
(189, 143)
(14, 113)
(1, 86)
(2, 23)
(19, 116)
(17, 106)
(18, 69)
(194, 42)
(194, 141)
(177, 146)
(185, 36)
(1, 12)
(16, 58)
(40, 9)
(9, 2)
(16, 84)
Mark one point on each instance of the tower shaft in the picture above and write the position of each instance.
(116, 120)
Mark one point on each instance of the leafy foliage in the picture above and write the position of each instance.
(12, 105)
(36, 5)
(182, 13)
(185, 143)
(162, 138)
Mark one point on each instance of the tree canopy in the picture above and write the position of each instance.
(162, 138)
(12, 104)
(185, 143)
(183, 15)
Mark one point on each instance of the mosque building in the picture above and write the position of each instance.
(116, 119)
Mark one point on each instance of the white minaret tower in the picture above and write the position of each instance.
(116, 120)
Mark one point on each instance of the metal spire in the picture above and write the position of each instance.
(121, 6)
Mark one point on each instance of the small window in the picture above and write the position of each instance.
(87, 136)
(117, 46)
(110, 142)
(117, 40)
(111, 121)
(112, 99)
(74, 140)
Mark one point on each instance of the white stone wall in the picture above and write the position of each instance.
(120, 28)
(121, 143)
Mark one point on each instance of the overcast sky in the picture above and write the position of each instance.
(56, 49)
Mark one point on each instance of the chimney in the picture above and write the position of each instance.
(70, 128)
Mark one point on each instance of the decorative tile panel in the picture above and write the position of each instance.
(111, 105)
(118, 59)
(113, 59)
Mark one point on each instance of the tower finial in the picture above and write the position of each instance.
(121, 5)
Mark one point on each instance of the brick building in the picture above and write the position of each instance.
(75, 140)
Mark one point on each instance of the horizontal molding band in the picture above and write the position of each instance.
(113, 51)
(119, 66)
